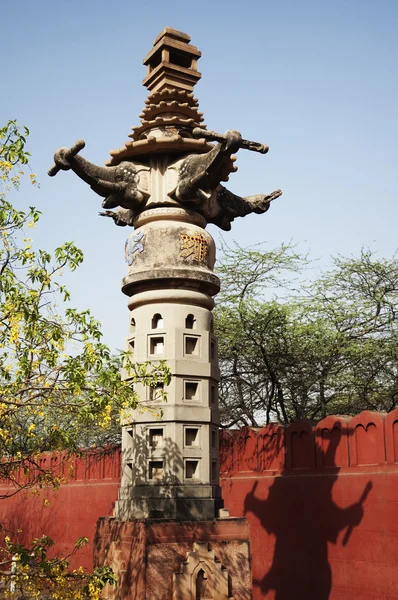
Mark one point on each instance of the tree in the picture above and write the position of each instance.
(57, 378)
(291, 348)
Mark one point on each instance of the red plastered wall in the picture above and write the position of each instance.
(71, 512)
(322, 504)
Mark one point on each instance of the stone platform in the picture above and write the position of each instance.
(175, 560)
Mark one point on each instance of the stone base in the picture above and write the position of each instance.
(173, 502)
(175, 560)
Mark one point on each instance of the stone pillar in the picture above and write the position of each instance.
(166, 183)
(170, 444)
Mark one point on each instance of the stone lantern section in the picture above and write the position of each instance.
(172, 62)
(170, 445)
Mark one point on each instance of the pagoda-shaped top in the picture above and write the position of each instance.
(170, 160)
(171, 111)
(172, 62)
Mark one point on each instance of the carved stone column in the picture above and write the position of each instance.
(170, 449)
(165, 541)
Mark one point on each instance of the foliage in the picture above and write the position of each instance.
(13, 157)
(291, 348)
(59, 384)
(28, 572)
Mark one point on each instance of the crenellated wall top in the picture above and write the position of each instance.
(369, 440)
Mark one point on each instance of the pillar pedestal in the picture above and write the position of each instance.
(175, 560)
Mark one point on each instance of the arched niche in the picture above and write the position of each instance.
(202, 586)
(201, 576)
(157, 321)
(190, 321)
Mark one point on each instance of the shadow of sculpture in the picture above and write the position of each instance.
(173, 463)
(300, 513)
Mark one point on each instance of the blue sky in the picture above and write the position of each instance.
(315, 80)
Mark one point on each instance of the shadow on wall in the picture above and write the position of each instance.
(299, 511)
(144, 448)
(173, 463)
(67, 513)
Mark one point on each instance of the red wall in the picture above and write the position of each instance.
(72, 511)
(322, 503)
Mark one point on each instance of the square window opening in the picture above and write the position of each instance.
(156, 59)
(156, 437)
(180, 59)
(192, 436)
(191, 469)
(156, 470)
(192, 346)
(191, 390)
(156, 393)
(157, 345)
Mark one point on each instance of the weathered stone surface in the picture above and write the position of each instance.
(150, 558)
(172, 62)
(193, 181)
(169, 161)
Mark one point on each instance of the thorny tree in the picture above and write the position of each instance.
(291, 348)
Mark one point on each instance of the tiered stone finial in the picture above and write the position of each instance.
(169, 160)
(171, 110)
(172, 62)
